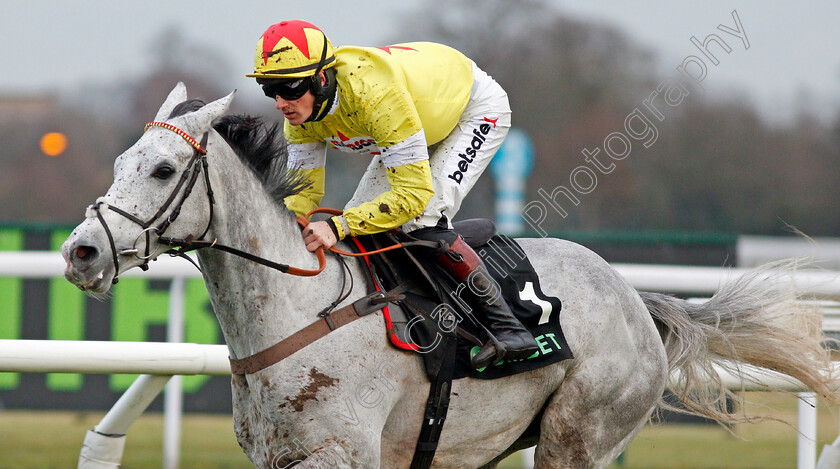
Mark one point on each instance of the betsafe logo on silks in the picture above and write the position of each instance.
(468, 155)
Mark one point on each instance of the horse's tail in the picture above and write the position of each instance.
(755, 320)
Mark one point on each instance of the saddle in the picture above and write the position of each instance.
(426, 314)
(432, 316)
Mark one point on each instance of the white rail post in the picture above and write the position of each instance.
(830, 456)
(173, 398)
(528, 457)
(103, 446)
(806, 457)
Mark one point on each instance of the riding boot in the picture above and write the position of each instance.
(510, 338)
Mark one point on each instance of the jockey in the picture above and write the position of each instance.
(399, 104)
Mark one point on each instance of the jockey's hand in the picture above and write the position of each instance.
(319, 234)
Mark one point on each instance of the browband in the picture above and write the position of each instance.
(178, 131)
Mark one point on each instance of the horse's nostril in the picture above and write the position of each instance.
(86, 253)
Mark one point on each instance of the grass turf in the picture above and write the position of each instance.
(33, 439)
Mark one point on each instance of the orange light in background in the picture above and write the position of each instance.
(53, 143)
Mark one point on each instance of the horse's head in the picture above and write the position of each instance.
(151, 197)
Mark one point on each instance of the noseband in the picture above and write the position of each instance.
(188, 179)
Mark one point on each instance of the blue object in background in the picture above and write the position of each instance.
(510, 168)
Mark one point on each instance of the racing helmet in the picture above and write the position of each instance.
(292, 49)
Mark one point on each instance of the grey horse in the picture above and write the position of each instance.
(352, 400)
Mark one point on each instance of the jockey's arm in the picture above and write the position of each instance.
(411, 190)
(308, 160)
(395, 125)
(405, 156)
(411, 187)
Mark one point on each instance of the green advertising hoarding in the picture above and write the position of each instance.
(136, 311)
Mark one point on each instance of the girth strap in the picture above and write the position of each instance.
(311, 333)
(437, 406)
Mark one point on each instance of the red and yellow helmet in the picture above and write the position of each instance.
(292, 49)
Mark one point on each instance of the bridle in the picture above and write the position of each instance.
(187, 181)
(180, 246)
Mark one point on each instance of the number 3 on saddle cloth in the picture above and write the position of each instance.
(436, 317)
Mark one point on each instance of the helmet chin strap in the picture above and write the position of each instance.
(321, 92)
(324, 97)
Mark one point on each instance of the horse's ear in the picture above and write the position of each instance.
(201, 119)
(176, 96)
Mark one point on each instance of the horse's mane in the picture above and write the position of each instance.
(259, 145)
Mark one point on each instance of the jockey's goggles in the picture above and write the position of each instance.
(289, 90)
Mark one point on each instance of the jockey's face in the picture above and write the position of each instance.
(298, 110)
(295, 109)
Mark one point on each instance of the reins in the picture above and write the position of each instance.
(332, 211)
(180, 246)
(185, 245)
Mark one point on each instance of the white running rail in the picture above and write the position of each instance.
(158, 362)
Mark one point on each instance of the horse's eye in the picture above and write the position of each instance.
(163, 172)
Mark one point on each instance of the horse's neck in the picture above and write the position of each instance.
(256, 306)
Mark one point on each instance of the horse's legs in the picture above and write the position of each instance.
(324, 441)
(241, 418)
(592, 417)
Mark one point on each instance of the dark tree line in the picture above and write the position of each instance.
(715, 165)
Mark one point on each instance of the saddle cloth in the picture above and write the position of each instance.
(437, 309)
